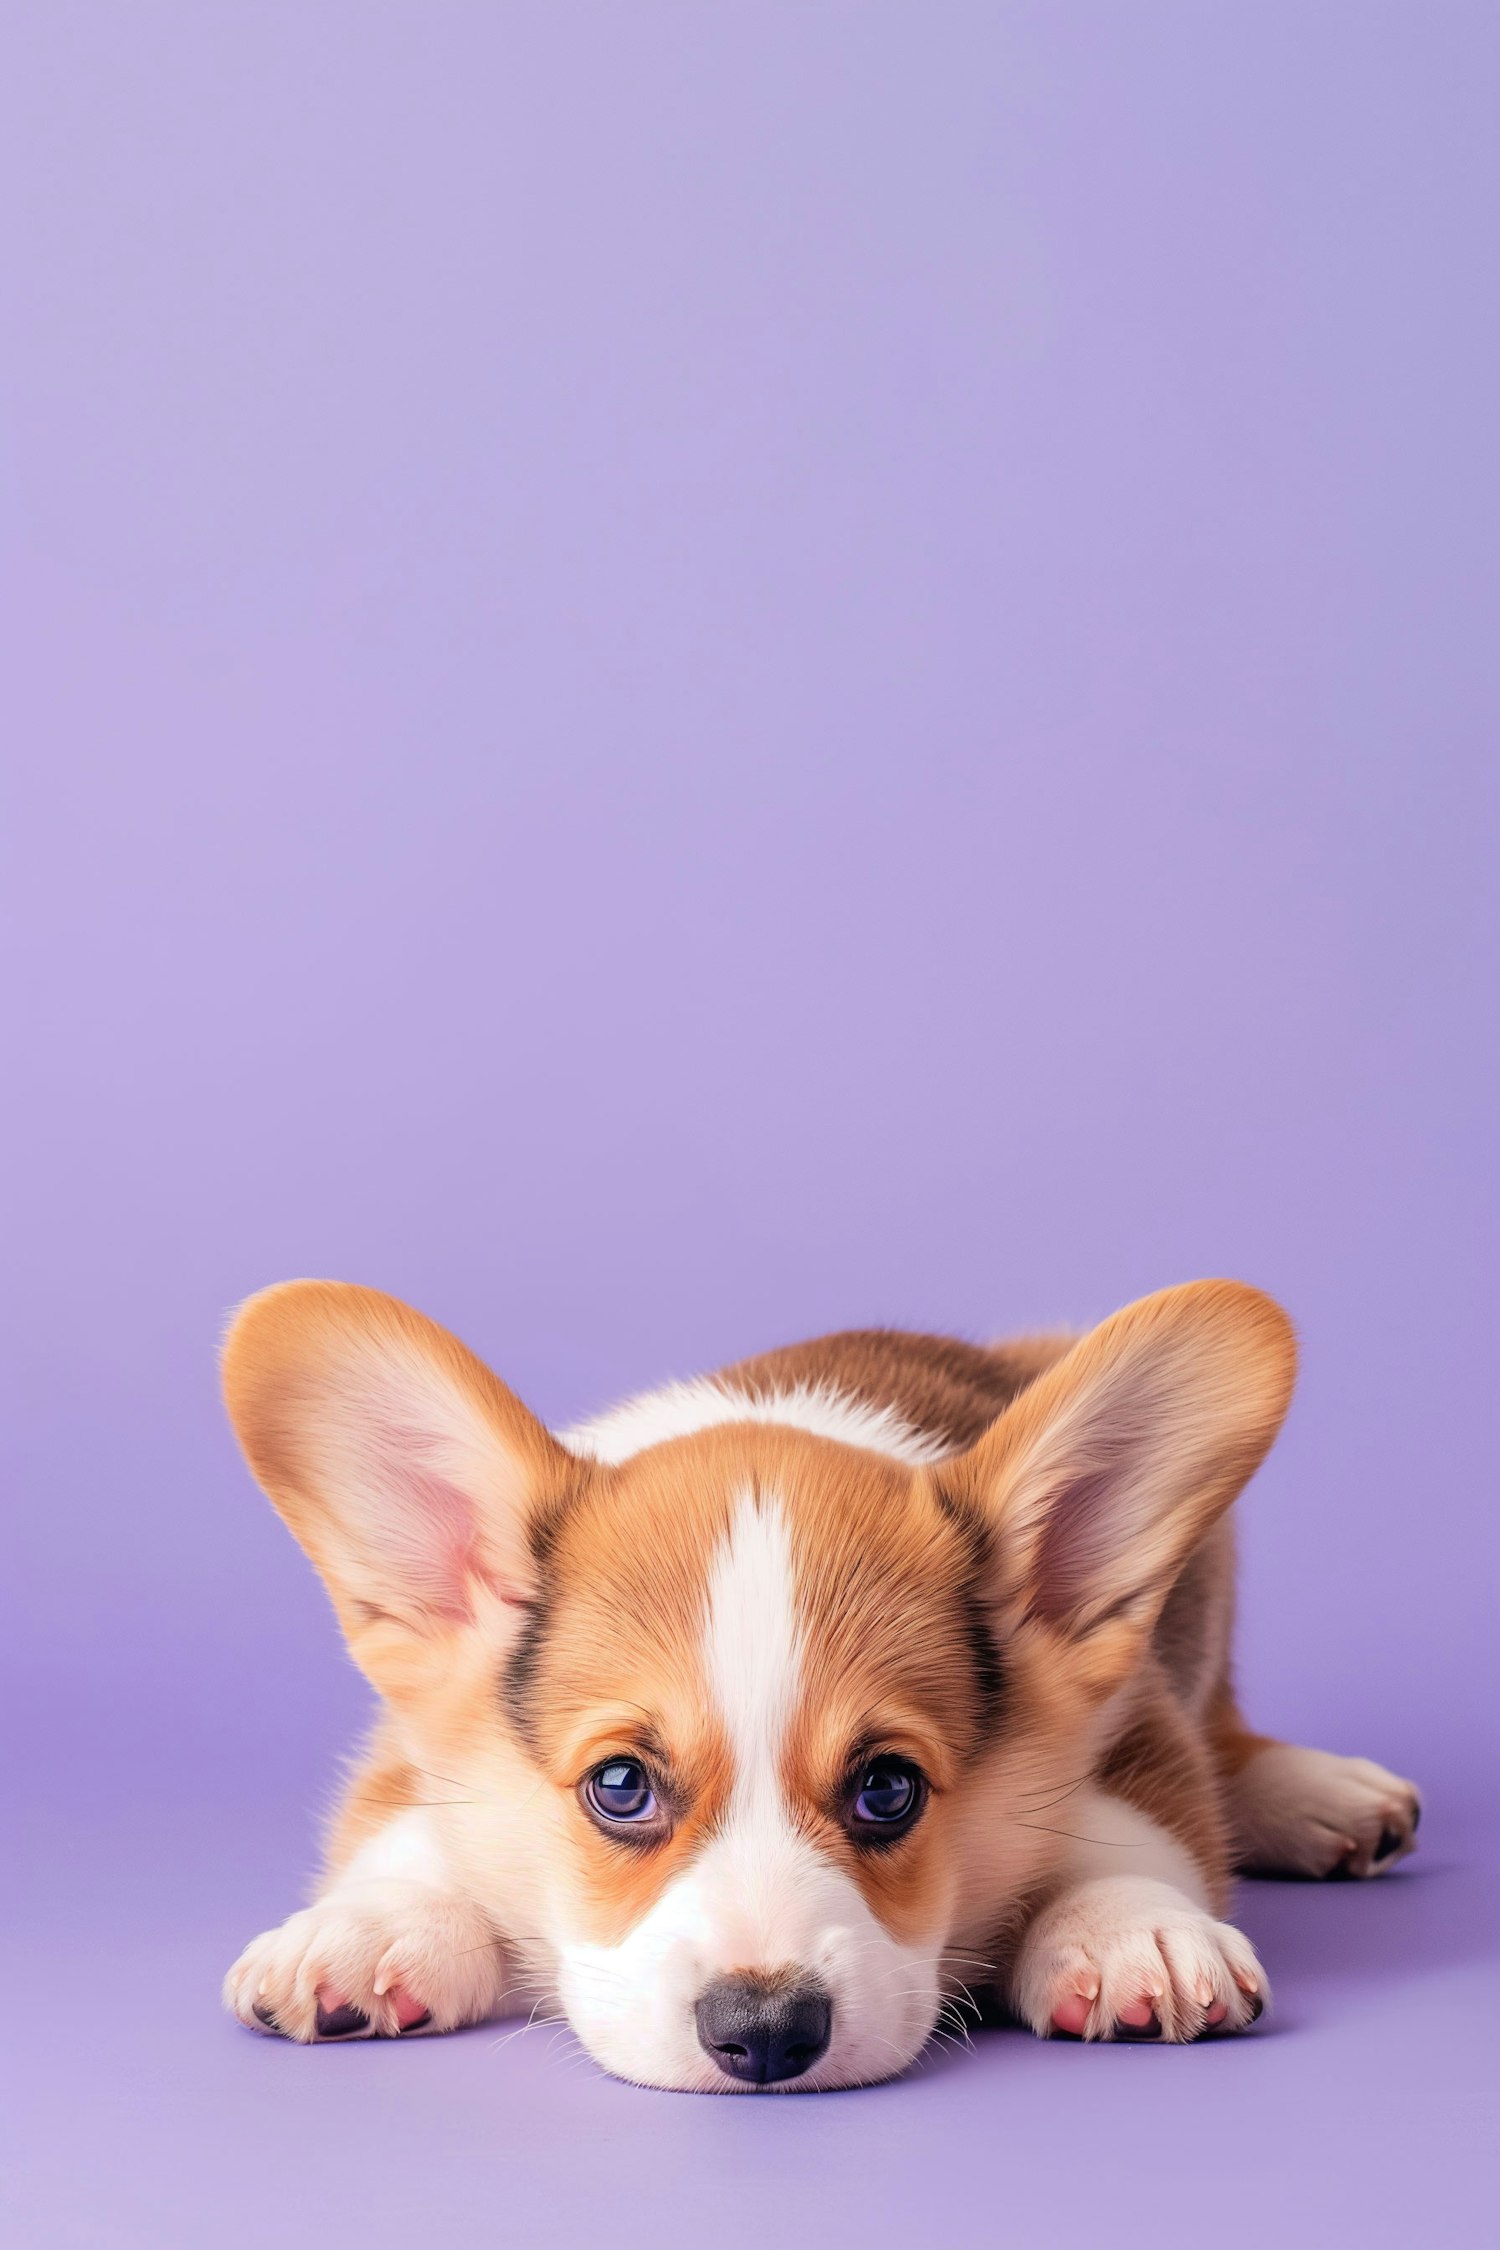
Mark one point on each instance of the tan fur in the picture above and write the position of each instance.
(1038, 1620)
(893, 1675)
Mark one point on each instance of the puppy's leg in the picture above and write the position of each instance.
(1128, 1948)
(392, 1946)
(1307, 1812)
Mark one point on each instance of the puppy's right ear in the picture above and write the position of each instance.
(407, 1470)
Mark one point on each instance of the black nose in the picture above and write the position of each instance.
(761, 2031)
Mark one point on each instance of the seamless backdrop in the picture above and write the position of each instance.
(678, 675)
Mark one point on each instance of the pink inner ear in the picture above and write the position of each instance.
(1074, 1549)
(1096, 1514)
(424, 1528)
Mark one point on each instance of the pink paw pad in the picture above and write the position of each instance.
(410, 2011)
(341, 2019)
(1070, 2015)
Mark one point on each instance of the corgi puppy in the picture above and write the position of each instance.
(754, 1722)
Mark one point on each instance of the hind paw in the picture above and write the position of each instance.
(1307, 1812)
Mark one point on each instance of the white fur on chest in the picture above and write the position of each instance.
(1109, 1837)
(679, 1409)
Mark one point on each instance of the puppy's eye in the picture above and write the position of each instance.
(888, 1795)
(619, 1792)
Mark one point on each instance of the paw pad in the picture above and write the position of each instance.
(340, 2021)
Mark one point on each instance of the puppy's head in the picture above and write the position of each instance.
(783, 1705)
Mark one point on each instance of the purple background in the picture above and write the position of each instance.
(680, 674)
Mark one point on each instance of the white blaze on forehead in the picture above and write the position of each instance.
(753, 1645)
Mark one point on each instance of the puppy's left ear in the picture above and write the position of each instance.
(1097, 1483)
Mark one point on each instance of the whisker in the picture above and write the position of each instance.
(445, 1778)
(1024, 1800)
(963, 1999)
(532, 2021)
(956, 2028)
(1114, 1843)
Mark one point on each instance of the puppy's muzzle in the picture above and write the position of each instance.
(764, 2033)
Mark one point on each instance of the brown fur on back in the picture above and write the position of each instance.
(945, 1388)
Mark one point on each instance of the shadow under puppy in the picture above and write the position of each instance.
(753, 1721)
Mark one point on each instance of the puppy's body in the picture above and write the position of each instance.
(991, 1589)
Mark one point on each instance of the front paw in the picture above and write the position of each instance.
(1129, 1958)
(371, 1961)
